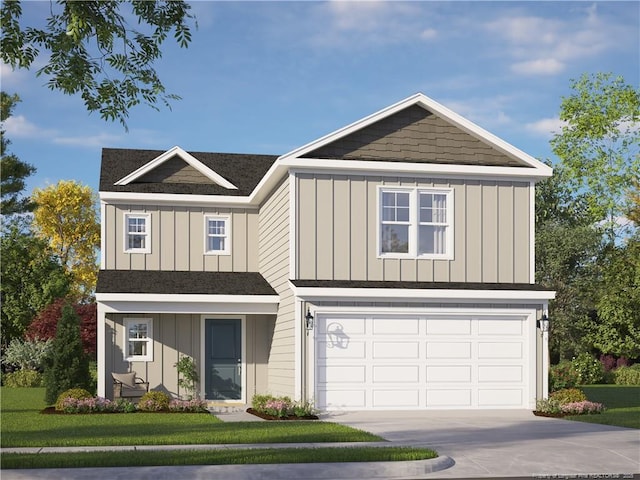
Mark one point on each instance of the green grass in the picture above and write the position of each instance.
(622, 403)
(22, 425)
(214, 457)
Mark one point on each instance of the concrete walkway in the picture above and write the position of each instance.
(479, 444)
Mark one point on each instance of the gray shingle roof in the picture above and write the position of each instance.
(243, 170)
(166, 282)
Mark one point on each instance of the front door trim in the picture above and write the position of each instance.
(243, 343)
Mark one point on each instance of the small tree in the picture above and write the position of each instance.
(68, 366)
(186, 367)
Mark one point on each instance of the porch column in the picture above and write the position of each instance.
(100, 349)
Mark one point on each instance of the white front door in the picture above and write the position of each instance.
(434, 361)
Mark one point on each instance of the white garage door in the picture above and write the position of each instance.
(414, 362)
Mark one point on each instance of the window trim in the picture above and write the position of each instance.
(125, 347)
(227, 236)
(414, 222)
(126, 233)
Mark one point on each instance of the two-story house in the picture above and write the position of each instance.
(387, 265)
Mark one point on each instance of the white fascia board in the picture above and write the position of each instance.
(361, 167)
(187, 157)
(173, 199)
(186, 298)
(382, 294)
(542, 170)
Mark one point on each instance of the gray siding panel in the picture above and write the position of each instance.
(178, 243)
(337, 230)
(273, 234)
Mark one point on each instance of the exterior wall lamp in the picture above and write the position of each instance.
(543, 323)
(308, 320)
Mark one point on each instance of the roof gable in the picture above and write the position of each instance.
(419, 130)
(171, 155)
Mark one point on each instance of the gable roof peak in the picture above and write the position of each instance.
(187, 158)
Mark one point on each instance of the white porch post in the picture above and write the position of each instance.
(100, 349)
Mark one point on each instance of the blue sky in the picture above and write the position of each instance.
(268, 77)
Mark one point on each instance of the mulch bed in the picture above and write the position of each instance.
(550, 415)
(272, 417)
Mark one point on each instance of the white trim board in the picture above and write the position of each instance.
(188, 158)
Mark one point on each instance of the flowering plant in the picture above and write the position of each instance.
(90, 405)
(582, 408)
(193, 406)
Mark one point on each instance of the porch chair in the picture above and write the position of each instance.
(128, 385)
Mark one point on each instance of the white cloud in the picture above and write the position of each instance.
(545, 126)
(545, 46)
(88, 141)
(546, 66)
(19, 126)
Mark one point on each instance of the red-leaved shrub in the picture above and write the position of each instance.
(45, 324)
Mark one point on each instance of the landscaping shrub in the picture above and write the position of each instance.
(73, 393)
(627, 375)
(192, 406)
(568, 395)
(22, 378)
(588, 369)
(27, 354)
(154, 402)
(548, 406)
(67, 366)
(188, 376)
(582, 408)
(281, 407)
(562, 375)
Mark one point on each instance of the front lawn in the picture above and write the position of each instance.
(22, 425)
(214, 457)
(622, 403)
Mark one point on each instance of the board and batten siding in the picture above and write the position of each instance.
(175, 335)
(336, 229)
(274, 267)
(178, 242)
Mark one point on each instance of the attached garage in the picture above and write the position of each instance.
(432, 360)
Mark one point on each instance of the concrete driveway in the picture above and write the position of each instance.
(507, 442)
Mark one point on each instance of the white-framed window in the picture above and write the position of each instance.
(217, 235)
(137, 232)
(415, 222)
(138, 339)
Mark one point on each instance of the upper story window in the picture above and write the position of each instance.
(416, 222)
(137, 233)
(138, 340)
(217, 235)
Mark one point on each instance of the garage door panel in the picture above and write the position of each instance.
(448, 350)
(449, 398)
(449, 373)
(338, 325)
(457, 326)
(397, 326)
(396, 350)
(331, 350)
(396, 398)
(500, 373)
(500, 397)
(499, 327)
(342, 374)
(396, 374)
(498, 350)
(348, 399)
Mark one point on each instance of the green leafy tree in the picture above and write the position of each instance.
(32, 278)
(13, 171)
(599, 145)
(566, 248)
(93, 51)
(67, 366)
(618, 306)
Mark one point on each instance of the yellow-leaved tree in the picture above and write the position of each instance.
(66, 217)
